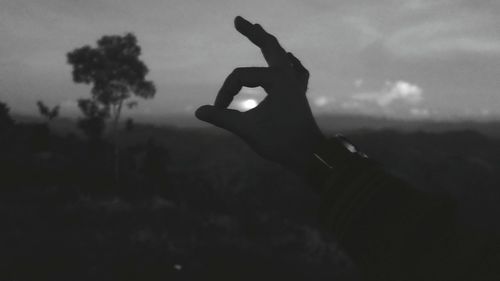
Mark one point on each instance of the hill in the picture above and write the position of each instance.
(196, 203)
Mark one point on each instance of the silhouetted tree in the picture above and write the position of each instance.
(116, 73)
(5, 120)
(46, 112)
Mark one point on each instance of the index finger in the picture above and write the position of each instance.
(274, 54)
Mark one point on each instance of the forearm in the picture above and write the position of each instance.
(390, 229)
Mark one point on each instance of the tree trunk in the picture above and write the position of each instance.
(116, 167)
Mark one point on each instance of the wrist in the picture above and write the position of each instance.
(331, 157)
(299, 157)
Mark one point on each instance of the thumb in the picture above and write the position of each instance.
(229, 119)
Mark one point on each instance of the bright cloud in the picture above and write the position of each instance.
(393, 91)
(323, 101)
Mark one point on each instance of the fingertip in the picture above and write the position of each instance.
(241, 24)
(239, 19)
(228, 119)
(204, 112)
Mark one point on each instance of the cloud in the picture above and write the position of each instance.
(423, 5)
(420, 112)
(323, 101)
(349, 105)
(393, 91)
(467, 34)
(358, 83)
(425, 28)
(367, 31)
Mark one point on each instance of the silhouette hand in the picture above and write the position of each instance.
(281, 128)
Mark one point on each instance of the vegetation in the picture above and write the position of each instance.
(46, 112)
(198, 204)
(6, 120)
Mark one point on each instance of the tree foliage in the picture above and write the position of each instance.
(5, 120)
(114, 70)
(46, 112)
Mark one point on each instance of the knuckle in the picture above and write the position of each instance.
(272, 40)
(236, 72)
(269, 40)
(306, 73)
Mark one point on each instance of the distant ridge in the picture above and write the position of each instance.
(328, 123)
(340, 123)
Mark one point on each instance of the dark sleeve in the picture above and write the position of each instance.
(391, 230)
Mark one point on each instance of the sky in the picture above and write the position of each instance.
(394, 58)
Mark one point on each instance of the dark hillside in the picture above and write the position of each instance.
(197, 203)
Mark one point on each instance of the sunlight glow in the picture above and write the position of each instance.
(247, 104)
